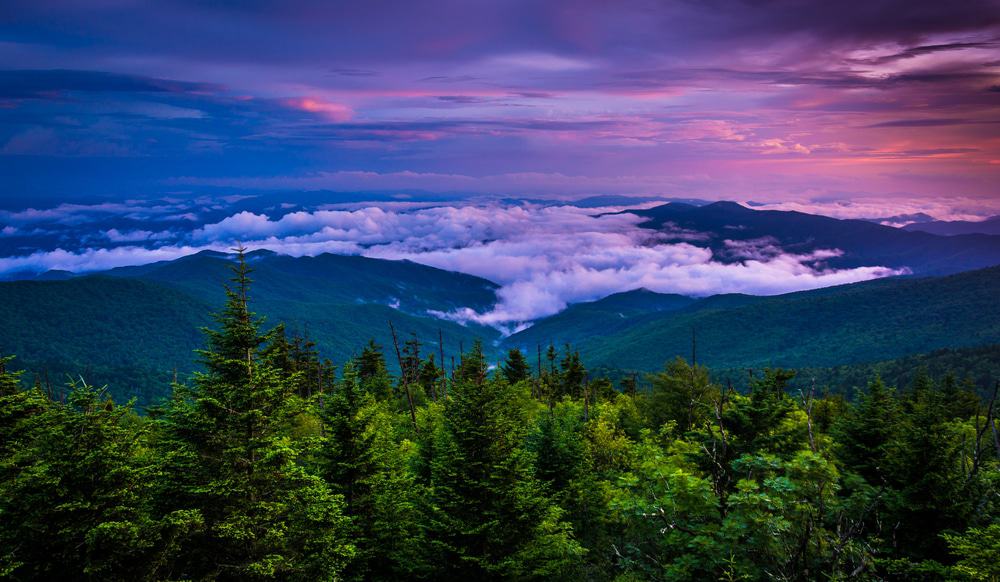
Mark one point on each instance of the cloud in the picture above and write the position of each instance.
(99, 259)
(868, 208)
(53, 83)
(336, 112)
(543, 257)
(74, 214)
(114, 235)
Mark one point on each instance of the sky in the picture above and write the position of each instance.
(134, 130)
(769, 100)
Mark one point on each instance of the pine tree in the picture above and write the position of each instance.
(516, 368)
(230, 460)
(681, 394)
(362, 461)
(430, 377)
(572, 374)
(74, 479)
(473, 366)
(372, 371)
(488, 515)
(864, 432)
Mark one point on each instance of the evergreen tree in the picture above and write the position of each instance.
(488, 515)
(362, 461)
(74, 479)
(865, 431)
(516, 369)
(572, 374)
(682, 394)
(473, 368)
(372, 371)
(430, 377)
(230, 460)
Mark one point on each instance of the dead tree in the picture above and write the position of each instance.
(403, 376)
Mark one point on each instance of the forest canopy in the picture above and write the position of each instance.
(272, 463)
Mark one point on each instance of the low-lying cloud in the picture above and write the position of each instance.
(543, 257)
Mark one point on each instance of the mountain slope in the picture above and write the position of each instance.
(132, 334)
(863, 243)
(612, 314)
(956, 227)
(325, 278)
(876, 320)
(132, 327)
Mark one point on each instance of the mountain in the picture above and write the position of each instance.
(899, 219)
(863, 243)
(603, 317)
(978, 364)
(131, 327)
(958, 227)
(862, 322)
(129, 333)
(326, 278)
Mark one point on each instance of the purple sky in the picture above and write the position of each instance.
(880, 103)
(134, 131)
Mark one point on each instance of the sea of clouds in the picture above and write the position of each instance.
(544, 257)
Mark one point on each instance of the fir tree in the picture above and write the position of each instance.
(230, 459)
(516, 369)
(489, 517)
(362, 461)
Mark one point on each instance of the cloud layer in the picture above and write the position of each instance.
(543, 257)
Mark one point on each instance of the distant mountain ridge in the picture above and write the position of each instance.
(863, 243)
(989, 226)
(133, 326)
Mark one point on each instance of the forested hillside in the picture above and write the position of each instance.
(131, 328)
(98, 325)
(863, 322)
(270, 464)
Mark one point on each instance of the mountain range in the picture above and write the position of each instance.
(133, 327)
(723, 226)
(957, 227)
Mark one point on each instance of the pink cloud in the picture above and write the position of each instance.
(328, 110)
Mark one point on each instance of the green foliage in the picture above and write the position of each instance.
(229, 455)
(488, 516)
(74, 481)
(818, 328)
(978, 552)
(516, 368)
(363, 461)
(268, 465)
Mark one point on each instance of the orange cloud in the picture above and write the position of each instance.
(337, 112)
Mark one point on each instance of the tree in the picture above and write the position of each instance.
(516, 369)
(362, 461)
(229, 459)
(372, 371)
(73, 487)
(572, 374)
(430, 376)
(682, 394)
(472, 368)
(865, 431)
(978, 552)
(488, 516)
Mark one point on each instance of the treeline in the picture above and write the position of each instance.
(271, 464)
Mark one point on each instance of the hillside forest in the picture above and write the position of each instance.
(273, 464)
